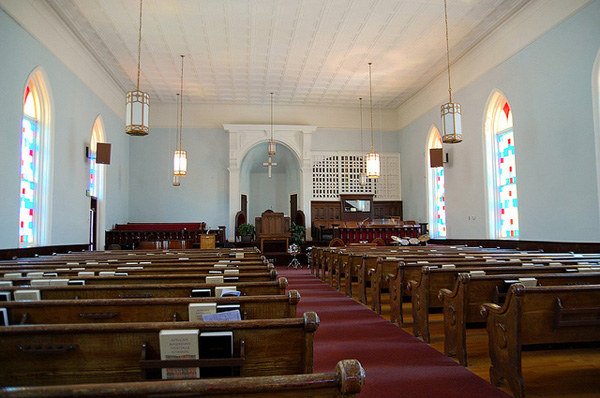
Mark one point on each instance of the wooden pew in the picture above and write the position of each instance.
(462, 305)
(425, 288)
(143, 310)
(134, 291)
(346, 381)
(42, 355)
(164, 278)
(538, 315)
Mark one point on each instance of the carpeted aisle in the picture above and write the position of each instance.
(396, 363)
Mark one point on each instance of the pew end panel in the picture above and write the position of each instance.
(538, 315)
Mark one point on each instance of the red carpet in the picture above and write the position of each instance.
(396, 363)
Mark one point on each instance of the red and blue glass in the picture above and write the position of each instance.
(440, 202)
(28, 183)
(507, 185)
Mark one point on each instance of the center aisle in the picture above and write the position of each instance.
(396, 363)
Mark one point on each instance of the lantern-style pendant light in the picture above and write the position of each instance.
(451, 116)
(272, 148)
(180, 157)
(372, 159)
(137, 110)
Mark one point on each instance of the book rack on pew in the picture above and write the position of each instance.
(152, 364)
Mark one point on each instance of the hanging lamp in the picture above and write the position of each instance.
(176, 178)
(363, 175)
(372, 159)
(137, 110)
(180, 157)
(451, 116)
(272, 147)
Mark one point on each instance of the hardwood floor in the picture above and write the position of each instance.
(564, 373)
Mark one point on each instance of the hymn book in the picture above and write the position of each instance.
(179, 344)
(216, 345)
(197, 310)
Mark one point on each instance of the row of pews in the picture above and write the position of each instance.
(522, 298)
(89, 324)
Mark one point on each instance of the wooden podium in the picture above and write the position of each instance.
(273, 227)
(207, 241)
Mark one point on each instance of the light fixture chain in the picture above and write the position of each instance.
(181, 107)
(371, 106)
(447, 50)
(139, 48)
(362, 150)
(271, 117)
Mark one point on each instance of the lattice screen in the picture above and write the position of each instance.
(339, 173)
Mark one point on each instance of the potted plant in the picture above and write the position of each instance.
(298, 233)
(246, 231)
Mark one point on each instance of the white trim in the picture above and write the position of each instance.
(38, 18)
(243, 137)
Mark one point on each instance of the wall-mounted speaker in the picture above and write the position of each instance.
(102, 153)
(436, 157)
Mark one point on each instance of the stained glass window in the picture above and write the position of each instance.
(506, 177)
(437, 191)
(29, 151)
(440, 202)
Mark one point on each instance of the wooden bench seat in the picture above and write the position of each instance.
(164, 278)
(132, 291)
(425, 289)
(42, 355)
(346, 381)
(462, 305)
(143, 310)
(538, 315)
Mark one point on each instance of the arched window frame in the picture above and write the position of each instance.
(499, 109)
(37, 86)
(96, 182)
(436, 196)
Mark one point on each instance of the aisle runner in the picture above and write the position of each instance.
(396, 363)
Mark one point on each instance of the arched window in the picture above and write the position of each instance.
(436, 189)
(502, 170)
(34, 172)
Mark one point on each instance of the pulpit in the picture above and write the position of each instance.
(273, 227)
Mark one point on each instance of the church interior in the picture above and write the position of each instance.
(355, 152)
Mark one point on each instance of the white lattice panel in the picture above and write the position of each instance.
(339, 173)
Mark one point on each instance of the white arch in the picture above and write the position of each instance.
(96, 137)
(243, 137)
(44, 102)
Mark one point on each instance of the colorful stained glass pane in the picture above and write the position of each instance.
(507, 188)
(440, 202)
(92, 182)
(28, 180)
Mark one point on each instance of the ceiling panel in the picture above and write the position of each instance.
(307, 52)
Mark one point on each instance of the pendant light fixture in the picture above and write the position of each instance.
(272, 147)
(176, 178)
(138, 102)
(180, 157)
(363, 175)
(451, 116)
(372, 158)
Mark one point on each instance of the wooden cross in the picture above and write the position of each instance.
(270, 164)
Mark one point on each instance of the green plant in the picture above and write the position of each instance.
(246, 229)
(298, 232)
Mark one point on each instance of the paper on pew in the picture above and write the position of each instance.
(86, 273)
(12, 275)
(74, 263)
(448, 266)
(59, 282)
(183, 258)
(106, 273)
(40, 282)
(5, 283)
(63, 269)
(477, 272)
(35, 274)
(231, 271)
(233, 315)
(220, 265)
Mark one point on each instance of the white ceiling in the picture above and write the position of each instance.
(307, 52)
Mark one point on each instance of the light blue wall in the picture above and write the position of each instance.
(75, 109)
(203, 194)
(549, 87)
